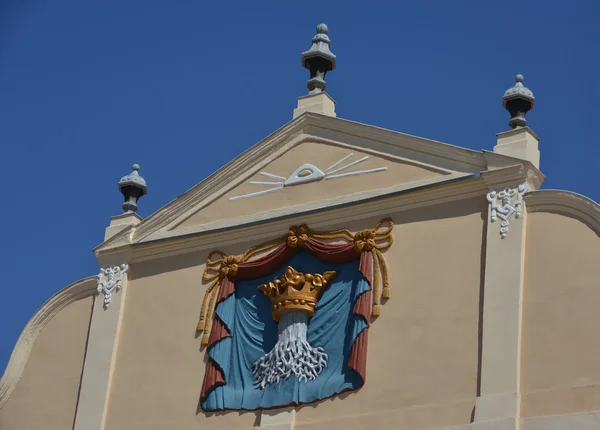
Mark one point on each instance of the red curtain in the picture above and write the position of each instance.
(266, 264)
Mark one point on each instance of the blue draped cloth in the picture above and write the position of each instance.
(247, 316)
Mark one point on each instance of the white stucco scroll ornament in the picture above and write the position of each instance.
(506, 203)
(110, 280)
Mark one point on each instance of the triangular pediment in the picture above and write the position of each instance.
(314, 162)
(310, 172)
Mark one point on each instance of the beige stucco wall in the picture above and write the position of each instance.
(560, 366)
(45, 397)
(423, 350)
(160, 367)
(322, 156)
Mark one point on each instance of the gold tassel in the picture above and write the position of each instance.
(384, 271)
(209, 316)
(205, 303)
(376, 280)
(376, 310)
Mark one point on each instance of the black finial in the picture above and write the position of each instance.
(132, 186)
(319, 60)
(518, 100)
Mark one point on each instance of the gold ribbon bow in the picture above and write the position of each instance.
(229, 265)
(364, 240)
(297, 236)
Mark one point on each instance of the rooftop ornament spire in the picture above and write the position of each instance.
(319, 60)
(518, 100)
(132, 186)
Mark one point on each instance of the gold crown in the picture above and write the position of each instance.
(295, 291)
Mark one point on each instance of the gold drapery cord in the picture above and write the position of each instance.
(336, 234)
(219, 265)
(215, 271)
(377, 240)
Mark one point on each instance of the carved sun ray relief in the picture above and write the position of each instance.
(287, 321)
(307, 173)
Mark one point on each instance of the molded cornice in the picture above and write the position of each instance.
(306, 208)
(567, 203)
(496, 161)
(322, 218)
(78, 290)
(523, 172)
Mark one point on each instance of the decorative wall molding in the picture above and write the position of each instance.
(371, 198)
(274, 224)
(567, 203)
(579, 421)
(510, 200)
(78, 290)
(110, 280)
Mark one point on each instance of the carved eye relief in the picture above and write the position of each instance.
(304, 173)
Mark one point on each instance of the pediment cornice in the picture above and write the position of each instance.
(259, 230)
(454, 163)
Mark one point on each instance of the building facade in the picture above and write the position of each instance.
(335, 275)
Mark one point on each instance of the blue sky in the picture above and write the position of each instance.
(182, 87)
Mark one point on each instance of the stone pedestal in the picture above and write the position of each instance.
(519, 143)
(121, 222)
(320, 103)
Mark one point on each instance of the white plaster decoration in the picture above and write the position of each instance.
(510, 200)
(309, 173)
(110, 280)
(291, 355)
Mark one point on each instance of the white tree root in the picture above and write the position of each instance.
(291, 355)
